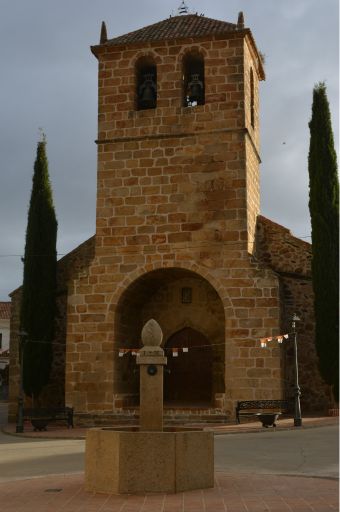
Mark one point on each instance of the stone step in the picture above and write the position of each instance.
(171, 417)
(218, 418)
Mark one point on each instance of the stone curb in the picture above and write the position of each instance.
(218, 430)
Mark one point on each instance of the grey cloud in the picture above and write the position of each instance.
(49, 79)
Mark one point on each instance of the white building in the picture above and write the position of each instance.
(5, 315)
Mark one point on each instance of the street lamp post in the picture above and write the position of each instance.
(20, 416)
(297, 391)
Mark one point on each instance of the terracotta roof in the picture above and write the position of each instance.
(5, 310)
(190, 25)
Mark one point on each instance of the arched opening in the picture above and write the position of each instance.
(182, 302)
(146, 83)
(193, 80)
(188, 377)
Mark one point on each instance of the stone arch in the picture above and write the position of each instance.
(184, 325)
(191, 267)
(159, 294)
(146, 54)
(193, 48)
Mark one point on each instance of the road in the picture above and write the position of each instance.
(22, 457)
(307, 452)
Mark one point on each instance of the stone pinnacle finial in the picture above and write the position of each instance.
(103, 33)
(240, 20)
(152, 334)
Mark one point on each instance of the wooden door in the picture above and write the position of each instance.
(190, 377)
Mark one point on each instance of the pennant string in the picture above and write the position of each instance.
(279, 339)
(174, 351)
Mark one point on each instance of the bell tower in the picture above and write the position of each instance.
(179, 126)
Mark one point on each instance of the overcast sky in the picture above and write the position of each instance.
(49, 80)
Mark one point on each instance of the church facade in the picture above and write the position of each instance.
(179, 236)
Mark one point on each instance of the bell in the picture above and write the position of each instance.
(195, 93)
(195, 89)
(147, 92)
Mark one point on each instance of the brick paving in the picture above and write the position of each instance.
(232, 493)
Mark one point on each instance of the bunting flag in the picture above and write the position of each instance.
(184, 349)
(278, 338)
(136, 351)
(175, 351)
(132, 351)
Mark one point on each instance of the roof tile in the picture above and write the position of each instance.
(190, 25)
(5, 310)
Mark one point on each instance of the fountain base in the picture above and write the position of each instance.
(130, 461)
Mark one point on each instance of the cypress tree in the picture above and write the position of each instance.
(39, 282)
(324, 212)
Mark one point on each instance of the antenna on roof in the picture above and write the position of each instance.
(183, 8)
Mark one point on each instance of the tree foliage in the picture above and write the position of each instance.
(39, 283)
(324, 212)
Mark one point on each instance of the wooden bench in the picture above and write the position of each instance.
(250, 407)
(40, 415)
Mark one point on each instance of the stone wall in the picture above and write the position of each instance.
(252, 147)
(68, 268)
(290, 258)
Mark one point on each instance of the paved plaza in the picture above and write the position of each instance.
(232, 493)
(308, 482)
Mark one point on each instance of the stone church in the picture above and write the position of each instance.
(179, 238)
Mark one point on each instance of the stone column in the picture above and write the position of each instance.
(151, 361)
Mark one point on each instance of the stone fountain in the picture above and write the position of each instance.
(149, 458)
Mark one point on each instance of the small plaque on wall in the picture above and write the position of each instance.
(186, 295)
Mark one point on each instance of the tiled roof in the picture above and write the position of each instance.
(5, 310)
(190, 25)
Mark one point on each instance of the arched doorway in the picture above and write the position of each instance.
(184, 303)
(188, 377)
